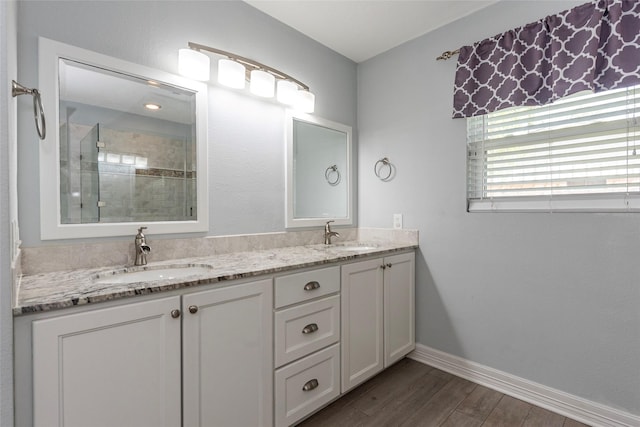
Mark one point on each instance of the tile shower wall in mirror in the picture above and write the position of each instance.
(124, 162)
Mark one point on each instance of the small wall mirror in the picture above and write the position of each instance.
(318, 172)
(129, 148)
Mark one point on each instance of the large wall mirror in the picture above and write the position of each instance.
(318, 172)
(129, 147)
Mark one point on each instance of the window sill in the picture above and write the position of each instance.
(596, 204)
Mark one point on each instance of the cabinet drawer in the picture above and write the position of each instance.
(305, 328)
(300, 287)
(306, 385)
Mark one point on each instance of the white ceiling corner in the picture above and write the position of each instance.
(362, 29)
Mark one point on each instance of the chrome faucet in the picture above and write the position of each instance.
(142, 249)
(328, 234)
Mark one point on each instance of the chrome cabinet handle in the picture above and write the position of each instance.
(193, 309)
(310, 328)
(310, 385)
(383, 266)
(175, 313)
(311, 286)
(389, 265)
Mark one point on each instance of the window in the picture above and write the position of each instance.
(581, 153)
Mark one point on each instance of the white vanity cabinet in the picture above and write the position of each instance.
(197, 359)
(257, 352)
(378, 315)
(306, 343)
(116, 366)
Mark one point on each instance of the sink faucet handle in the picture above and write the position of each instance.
(141, 247)
(328, 233)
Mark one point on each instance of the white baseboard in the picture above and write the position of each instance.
(571, 406)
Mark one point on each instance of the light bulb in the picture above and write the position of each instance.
(262, 83)
(287, 92)
(231, 73)
(305, 101)
(193, 64)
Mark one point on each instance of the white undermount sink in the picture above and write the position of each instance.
(150, 274)
(354, 247)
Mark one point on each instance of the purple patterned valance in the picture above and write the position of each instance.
(595, 46)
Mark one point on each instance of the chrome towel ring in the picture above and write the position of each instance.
(335, 179)
(18, 89)
(380, 165)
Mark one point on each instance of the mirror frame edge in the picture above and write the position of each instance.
(290, 221)
(49, 52)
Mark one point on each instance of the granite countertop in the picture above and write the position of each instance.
(62, 289)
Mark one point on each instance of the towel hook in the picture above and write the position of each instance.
(332, 170)
(16, 90)
(377, 169)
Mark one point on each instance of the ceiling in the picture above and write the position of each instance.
(99, 87)
(362, 29)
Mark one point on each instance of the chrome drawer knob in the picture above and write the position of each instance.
(193, 309)
(310, 385)
(175, 313)
(311, 286)
(310, 328)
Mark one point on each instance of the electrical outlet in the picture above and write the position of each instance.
(397, 220)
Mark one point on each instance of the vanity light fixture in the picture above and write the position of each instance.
(235, 70)
(152, 106)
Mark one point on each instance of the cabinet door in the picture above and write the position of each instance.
(362, 322)
(118, 366)
(228, 356)
(399, 307)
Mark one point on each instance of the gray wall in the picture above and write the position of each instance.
(246, 135)
(553, 298)
(7, 204)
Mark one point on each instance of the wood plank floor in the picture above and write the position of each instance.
(411, 393)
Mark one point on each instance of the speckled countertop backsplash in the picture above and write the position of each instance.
(41, 288)
(46, 259)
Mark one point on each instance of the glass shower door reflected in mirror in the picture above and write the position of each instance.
(89, 177)
(79, 186)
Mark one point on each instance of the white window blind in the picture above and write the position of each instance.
(581, 153)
